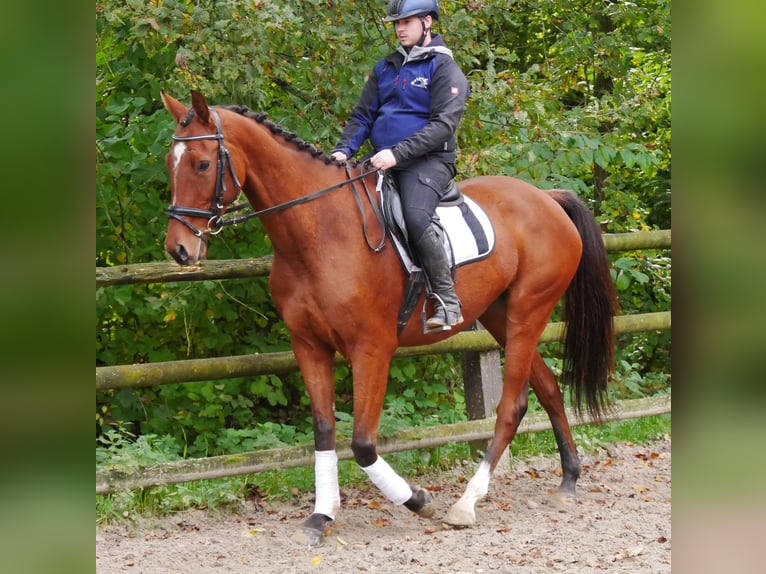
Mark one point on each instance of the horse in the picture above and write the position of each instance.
(338, 286)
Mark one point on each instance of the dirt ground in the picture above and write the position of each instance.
(620, 523)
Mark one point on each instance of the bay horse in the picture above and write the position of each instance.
(339, 290)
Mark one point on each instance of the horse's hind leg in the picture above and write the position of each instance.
(525, 318)
(548, 393)
(510, 411)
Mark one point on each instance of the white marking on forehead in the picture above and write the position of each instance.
(178, 151)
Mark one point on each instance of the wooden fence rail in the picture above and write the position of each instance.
(170, 271)
(279, 458)
(162, 373)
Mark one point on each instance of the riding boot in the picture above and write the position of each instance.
(433, 259)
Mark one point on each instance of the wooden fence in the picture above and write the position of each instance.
(478, 345)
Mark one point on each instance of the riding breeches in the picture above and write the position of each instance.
(422, 183)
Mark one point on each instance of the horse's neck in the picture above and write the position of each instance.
(278, 173)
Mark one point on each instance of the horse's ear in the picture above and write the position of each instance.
(200, 107)
(176, 108)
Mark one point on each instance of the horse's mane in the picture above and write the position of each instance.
(276, 129)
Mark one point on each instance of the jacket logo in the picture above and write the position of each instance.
(420, 82)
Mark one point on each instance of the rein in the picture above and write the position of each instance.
(216, 221)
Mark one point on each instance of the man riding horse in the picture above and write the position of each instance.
(409, 109)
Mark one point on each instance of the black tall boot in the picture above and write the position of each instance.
(434, 261)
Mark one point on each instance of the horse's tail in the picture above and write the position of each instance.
(590, 304)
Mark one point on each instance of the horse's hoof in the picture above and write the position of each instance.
(421, 503)
(309, 537)
(568, 488)
(312, 531)
(460, 517)
(563, 500)
(427, 511)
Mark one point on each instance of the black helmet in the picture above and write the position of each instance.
(400, 9)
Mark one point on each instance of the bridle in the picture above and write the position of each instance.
(215, 217)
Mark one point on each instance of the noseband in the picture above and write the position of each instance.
(214, 215)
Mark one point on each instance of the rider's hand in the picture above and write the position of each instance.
(339, 156)
(383, 160)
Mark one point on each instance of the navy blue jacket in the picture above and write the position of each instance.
(411, 104)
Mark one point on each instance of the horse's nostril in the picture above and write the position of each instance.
(180, 255)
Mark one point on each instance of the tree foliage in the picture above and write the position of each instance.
(569, 94)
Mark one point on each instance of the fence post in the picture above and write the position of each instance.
(483, 381)
(483, 385)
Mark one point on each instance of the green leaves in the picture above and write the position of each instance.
(625, 273)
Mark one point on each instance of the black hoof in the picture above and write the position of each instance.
(312, 530)
(421, 503)
(568, 488)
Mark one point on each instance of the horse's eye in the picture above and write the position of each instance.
(203, 166)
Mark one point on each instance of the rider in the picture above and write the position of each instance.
(409, 109)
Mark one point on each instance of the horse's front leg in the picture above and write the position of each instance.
(316, 365)
(370, 371)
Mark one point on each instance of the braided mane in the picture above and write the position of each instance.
(276, 129)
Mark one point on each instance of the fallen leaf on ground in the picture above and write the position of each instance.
(381, 522)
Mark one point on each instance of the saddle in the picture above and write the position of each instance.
(464, 228)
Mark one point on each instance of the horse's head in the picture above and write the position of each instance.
(203, 178)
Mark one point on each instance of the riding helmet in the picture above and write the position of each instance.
(400, 9)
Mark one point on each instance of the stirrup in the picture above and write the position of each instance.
(443, 319)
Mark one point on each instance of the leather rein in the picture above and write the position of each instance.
(215, 217)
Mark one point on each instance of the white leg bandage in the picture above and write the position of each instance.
(393, 486)
(326, 479)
